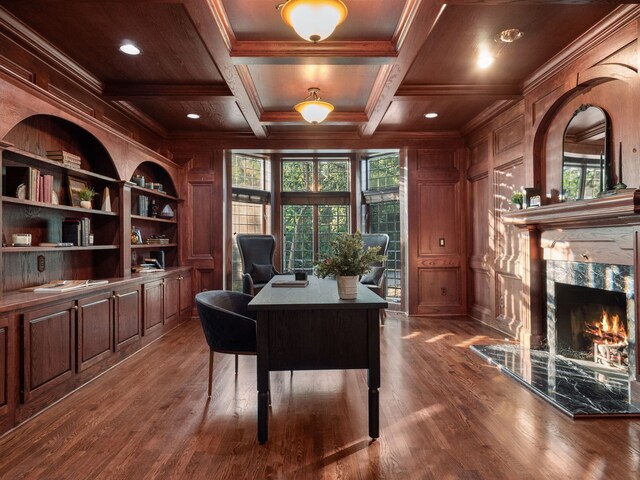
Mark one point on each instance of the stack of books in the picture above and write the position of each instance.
(157, 240)
(29, 184)
(76, 231)
(143, 205)
(67, 159)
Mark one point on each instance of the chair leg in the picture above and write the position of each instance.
(236, 365)
(210, 370)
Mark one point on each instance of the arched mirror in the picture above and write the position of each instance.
(585, 162)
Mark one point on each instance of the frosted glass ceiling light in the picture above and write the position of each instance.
(313, 20)
(130, 49)
(314, 110)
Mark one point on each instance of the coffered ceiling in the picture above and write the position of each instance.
(242, 69)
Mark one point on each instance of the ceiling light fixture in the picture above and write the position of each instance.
(431, 115)
(488, 55)
(130, 49)
(314, 110)
(193, 116)
(313, 20)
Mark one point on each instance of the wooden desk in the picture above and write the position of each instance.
(312, 329)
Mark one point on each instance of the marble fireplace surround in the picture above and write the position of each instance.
(590, 243)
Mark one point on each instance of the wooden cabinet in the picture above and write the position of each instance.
(48, 341)
(153, 306)
(95, 329)
(128, 308)
(171, 299)
(7, 377)
(186, 295)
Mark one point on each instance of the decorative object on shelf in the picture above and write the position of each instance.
(21, 239)
(136, 236)
(106, 200)
(620, 185)
(21, 191)
(157, 240)
(67, 159)
(313, 109)
(531, 197)
(86, 195)
(517, 199)
(167, 212)
(138, 180)
(75, 186)
(349, 260)
(143, 205)
(153, 208)
(313, 20)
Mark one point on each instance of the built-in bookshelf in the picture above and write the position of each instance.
(154, 214)
(40, 193)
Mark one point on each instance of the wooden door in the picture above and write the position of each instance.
(153, 306)
(171, 299)
(95, 329)
(127, 316)
(48, 348)
(7, 376)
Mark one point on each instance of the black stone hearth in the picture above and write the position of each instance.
(578, 390)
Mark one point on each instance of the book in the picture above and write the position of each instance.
(71, 231)
(66, 285)
(290, 283)
(55, 244)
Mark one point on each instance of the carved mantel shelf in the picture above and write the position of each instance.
(622, 208)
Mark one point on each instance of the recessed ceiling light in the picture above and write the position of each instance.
(130, 49)
(193, 116)
(485, 59)
(431, 115)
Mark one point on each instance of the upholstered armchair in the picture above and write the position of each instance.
(256, 252)
(229, 327)
(375, 279)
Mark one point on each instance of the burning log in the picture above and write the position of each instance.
(610, 345)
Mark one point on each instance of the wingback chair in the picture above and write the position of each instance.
(256, 252)
(229, 327)
(376, 278)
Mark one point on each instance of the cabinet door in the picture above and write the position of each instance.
(186, 295)
(127, 316)
(6, 376)
(49, 347)
(153, 306)
(95, 329)
(171, 299)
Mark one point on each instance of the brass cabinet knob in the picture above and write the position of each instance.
(75, 307)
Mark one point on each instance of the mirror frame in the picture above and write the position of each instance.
(606, 162)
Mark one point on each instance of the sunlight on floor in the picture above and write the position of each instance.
(437, 338)
(472, 341)
(412, 335)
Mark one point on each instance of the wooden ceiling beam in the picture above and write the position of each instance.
(426, 92)
(294, 118)
(324, 53)
(419, 18)
(168, 92)
(211, 23)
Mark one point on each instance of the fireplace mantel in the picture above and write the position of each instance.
(621, 208)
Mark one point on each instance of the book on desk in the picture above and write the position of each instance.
(290, 283)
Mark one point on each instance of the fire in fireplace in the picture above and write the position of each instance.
(591, 324)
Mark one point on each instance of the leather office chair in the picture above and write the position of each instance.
(228, 325)
(376, 278)
(256, 252)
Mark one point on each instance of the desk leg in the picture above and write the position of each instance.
(263, 375)
(373, 339)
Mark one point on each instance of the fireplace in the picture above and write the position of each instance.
(590, 314)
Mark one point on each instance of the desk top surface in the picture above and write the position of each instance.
(319, 294)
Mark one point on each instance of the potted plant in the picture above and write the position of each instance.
(517, 198)
(86, 195)
(350, 259)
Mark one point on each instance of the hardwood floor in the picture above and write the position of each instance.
(444, 414)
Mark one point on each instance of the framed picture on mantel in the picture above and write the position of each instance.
(531, 197)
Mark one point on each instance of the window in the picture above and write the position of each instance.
(315, 208)
(250, 204)
(382, 212)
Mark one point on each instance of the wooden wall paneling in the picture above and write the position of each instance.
(480, 258)
(48, 348)
(6, 379)
(127, 316)
(437, 248)
(94, 329)
(228, 233)
(186, 295)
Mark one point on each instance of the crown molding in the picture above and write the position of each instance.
(418, 92)
(166, 91)
(46, 52)
(596, 35)
(487, 115)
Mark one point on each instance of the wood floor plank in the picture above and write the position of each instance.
(444, 414)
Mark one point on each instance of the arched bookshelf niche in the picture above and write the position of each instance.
(154, 216)
(46, 161)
